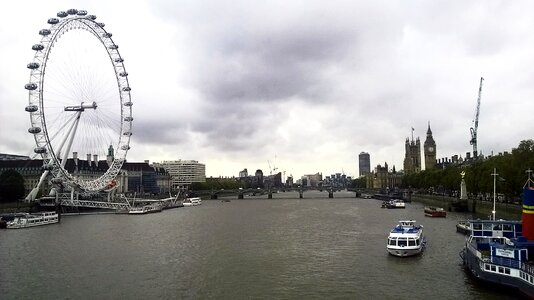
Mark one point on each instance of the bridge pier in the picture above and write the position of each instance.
(270, 195)
(240, 196)
(330, 194)
(213, 196)
(301, 194)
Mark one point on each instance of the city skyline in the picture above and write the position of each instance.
(305, 86)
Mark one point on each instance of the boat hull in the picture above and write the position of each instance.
(475, 267)
(404, 252)
(435, 212)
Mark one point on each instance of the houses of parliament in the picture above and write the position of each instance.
(412, 159)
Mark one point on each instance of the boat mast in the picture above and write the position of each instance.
(494, 184)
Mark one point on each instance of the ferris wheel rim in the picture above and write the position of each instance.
(79, 20)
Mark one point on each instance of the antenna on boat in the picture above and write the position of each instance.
(494, 184)
(529, 180)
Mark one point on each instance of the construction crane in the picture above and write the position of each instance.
(474, 130)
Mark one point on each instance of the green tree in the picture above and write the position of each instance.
(11, 186)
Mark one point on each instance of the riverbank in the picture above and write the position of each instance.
(479, 208)
(17, 207)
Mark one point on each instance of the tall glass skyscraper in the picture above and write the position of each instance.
(364, 163)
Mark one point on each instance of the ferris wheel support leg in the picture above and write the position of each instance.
(33, 194)
(70, 136)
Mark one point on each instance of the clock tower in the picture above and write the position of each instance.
(429, 150)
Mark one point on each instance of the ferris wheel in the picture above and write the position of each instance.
(79, 103)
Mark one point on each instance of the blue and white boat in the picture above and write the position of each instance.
(502, 251)
(406, 239)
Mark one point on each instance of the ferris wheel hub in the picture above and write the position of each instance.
(81, 107)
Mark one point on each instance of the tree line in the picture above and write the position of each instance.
(510, 167)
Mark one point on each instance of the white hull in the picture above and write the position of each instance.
(32, 220)
(404, 251)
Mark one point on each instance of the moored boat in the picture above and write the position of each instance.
(406, 239)
(145, 209)
(32, 220)
(193, 201)
(432, 211)
(502, 251)
(463, 227)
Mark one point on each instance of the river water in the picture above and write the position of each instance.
(281, 248)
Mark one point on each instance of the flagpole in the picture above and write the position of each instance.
(494, 190)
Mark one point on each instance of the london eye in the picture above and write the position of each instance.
(79, 103)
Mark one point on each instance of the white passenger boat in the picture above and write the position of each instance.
(396, 203)
(192, 201)
(145, 209)
(34, 219)
(406, 239)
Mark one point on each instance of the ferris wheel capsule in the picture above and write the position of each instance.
(44, 32)
(62, 14)
(82, 13)
(31, 108)
(101, 24)
(37, 47)
(53, 21)
(72, 11)
(34, 130)
(33, 65)
(30, 86)
(39, 150)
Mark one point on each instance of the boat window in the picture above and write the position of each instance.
(411, 243)
(493, 268)
(392, 242)
(507, 227)
(402, 242)
(477, 226)
(418, 242)
(501, 270)
(497, 226)
(507, 271)
(487, 267)
(487, 226)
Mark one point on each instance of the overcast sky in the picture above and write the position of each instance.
(306, 85)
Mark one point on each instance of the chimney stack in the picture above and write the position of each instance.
(89, 159)
(95, 159)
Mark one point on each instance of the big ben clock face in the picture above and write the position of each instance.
(430, 149)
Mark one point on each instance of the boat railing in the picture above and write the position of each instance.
(506, 262)
(527, 268)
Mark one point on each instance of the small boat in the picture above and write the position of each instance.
(406, 239)
(396, 203)
(145, 209)
(463, 227)
(32, 220)
(432, 211)
(192, 201)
